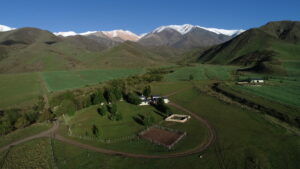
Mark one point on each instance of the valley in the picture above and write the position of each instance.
(86, 100)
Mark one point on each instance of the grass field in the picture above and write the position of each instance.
(22, 133)
(122, 135)
(16, 89)
(83, 121)
(64, 80)
(244, 138)
(282, 89)
(33, 154)
(201, 72)
(243, 133)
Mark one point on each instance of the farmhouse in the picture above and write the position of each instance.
(251, 81)
(153, 99)
(256, 81)
(144, 101)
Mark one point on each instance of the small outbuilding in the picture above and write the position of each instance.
(251, 81)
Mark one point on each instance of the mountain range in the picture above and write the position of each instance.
(263, 49)
(178, 36)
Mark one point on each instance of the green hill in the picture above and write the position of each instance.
(263, 49)
(31, 50)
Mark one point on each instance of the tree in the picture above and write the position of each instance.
(102, 110)
(114, 114)
(12, 116)
(112, 108)
(97, 97)
(40, 104)
(95, 130)
(21, 122)
(46, 115)
(133, 99)
(32, 116)
(108, 94)
(119, 116)
(161, 106)
(5, 127)
(117, 93)
(147, 91)
(66, 107)
(191, 77)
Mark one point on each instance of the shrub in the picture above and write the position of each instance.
(161, 106)
(21, 122)
(5, 127)
(147, 91)
(102, 110)
(191, 77)
(95, 130)
(46, 115)
(112, 108)
(66, 107)
(32, 116)
(108, 94)
(119, 116)
(97, 97)
(12, 116)
(133, 99)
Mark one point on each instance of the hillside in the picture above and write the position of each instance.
(184, 37)
(264, 49)
(31, 50)
(131, 54)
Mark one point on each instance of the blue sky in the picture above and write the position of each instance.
(141, 16)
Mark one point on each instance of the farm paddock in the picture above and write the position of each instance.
(162, 137)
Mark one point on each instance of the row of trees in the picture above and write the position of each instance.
(69, 102)
(13, 120)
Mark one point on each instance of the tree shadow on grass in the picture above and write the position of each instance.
(160, 114)
(139, 119)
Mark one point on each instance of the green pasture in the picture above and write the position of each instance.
(33, 154)
(81, 124)
(243, 133)
(16, 89)
(64, 80)
(201, 72)
(122, 134)
(23, 133)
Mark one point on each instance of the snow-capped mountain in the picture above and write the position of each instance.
(186, 28)
(65, 34)
(123, 34)
(4, 28)
(118, 35)
(187, 36)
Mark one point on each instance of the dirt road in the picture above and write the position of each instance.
(53, 134)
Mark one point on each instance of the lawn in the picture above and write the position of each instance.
(64, 80)
(16, 89)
